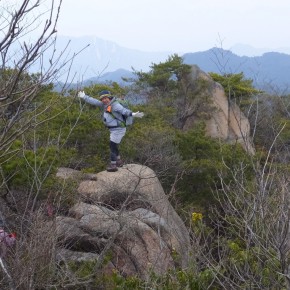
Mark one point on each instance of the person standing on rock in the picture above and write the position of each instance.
(113, 118)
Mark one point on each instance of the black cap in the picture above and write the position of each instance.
(104, 94)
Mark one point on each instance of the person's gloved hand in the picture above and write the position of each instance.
(81, 94)
(138, 114)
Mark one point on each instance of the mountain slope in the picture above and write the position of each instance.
(100, 56)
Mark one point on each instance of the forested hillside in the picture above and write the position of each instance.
(235, 205)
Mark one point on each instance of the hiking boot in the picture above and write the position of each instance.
(112, 167)
(120, 163)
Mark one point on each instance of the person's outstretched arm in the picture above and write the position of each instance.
(89, 99)
(126, 112)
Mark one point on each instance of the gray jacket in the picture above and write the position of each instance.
(114, 118)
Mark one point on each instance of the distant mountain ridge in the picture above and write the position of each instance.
(99, 56)
(105, 61)
(269, 72)
(248, 50)
(115, 76)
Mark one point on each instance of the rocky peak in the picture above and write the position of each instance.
(226, 122)
(126, 214)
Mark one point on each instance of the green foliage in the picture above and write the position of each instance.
(77, 126)
(186, 279)
(203, 158)
(62, 195)
(256, 262)
(19, 90)
(164, 77)
(151, 142)
(171, 85)
(235, 85)
(84, 269)
(33, 170)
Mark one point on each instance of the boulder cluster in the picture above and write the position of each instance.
(127, 217)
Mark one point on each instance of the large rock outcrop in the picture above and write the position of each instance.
(226, 121)
(127, 216)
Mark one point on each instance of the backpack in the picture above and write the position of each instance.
(127, 120)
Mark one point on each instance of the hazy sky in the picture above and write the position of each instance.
(179, 25)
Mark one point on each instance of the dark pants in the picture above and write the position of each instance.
(114, 151)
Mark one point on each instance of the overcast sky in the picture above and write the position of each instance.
(179, 25)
